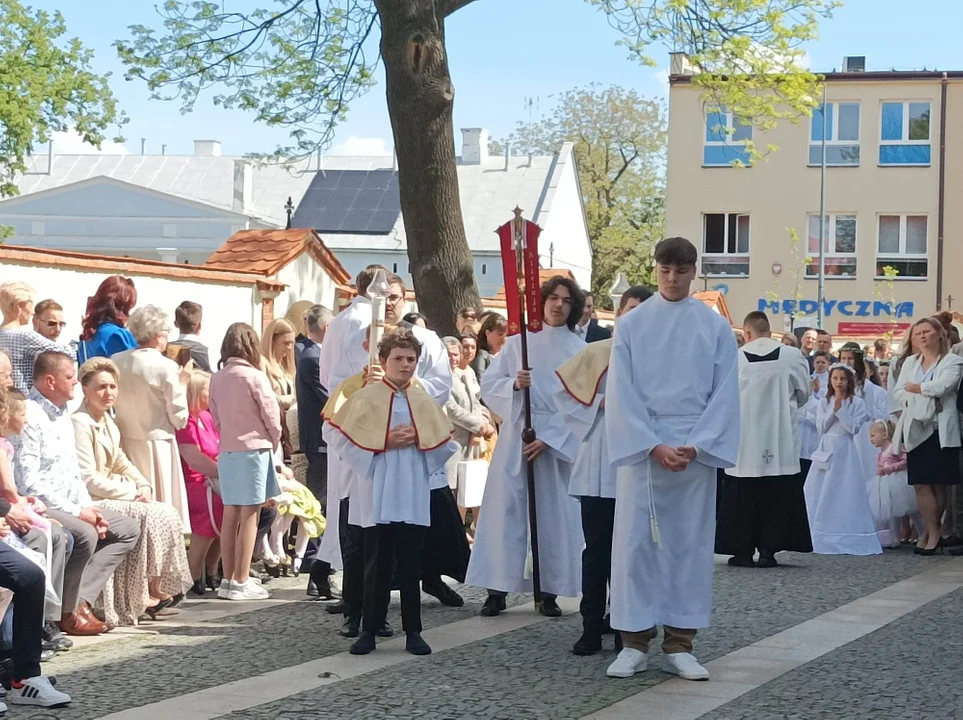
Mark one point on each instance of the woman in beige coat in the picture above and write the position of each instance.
(152, 406)
(155, 573)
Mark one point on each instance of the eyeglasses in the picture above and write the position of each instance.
(395, 298)
(54, 324)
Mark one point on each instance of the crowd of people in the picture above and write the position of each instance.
(176, 474)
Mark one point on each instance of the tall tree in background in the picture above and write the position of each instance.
(46, 85)
(619, 143)
(746, 55)
(299, 64)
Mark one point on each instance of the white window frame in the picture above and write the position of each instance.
(906, 122)
(836, 142)
(723, 255)
(728, 133)
(830, 237)
(902, 254)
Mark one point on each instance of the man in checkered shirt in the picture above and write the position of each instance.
(21, 342)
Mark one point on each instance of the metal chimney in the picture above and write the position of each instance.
(143, 146)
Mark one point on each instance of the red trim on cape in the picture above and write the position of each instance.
(595, 392)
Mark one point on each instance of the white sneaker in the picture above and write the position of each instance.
(247, 591)
(37, 691)
(685, 666)
(223, 589)
(3, 710)
(629, 662)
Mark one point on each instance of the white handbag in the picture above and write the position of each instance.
(472, 475)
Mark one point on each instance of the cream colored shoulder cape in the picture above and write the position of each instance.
(365, 416)
(582, 375)
(339, 397)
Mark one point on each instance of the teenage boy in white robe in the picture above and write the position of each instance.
(499, 558)
(581, 400)
(672, 420)
(396, 438)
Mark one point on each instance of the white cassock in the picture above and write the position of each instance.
(393, 486)
(592, 474)
(808, 433)
(498, 558)
(434, 373)
(772, 389)
(332, 373)
(673, 380)
(837, 499)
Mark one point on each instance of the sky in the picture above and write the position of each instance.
(502, 54)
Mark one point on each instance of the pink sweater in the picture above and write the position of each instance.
(889, 462)
(245, 408)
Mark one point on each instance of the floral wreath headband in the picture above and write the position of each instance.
(841, 366)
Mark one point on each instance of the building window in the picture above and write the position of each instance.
(484, 268)
(725, 140)
(37, 227)
(725, 246)
(902, 245)
(905, 133)
(842, 134)
(170, 230)
(839, 241)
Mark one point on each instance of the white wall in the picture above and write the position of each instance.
(223, 303)
(305, 280)
(565, 228)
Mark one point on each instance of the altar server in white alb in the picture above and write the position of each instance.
(396, 438)
(761, 504)
(331, 374)
(581, 400)
(672, 420)
(499, 560)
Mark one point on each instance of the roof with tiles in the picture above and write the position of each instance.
(265, 252)
(131, 266)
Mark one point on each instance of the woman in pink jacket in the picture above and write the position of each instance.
(248, 418)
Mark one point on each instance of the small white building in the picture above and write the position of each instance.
(181, 208)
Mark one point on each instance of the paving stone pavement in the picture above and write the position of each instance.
(527, 673)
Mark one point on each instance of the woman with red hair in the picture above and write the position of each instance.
(105, 324)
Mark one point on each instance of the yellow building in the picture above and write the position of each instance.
(892, 200)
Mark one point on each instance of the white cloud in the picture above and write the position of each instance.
(361, 146)
(71, 143)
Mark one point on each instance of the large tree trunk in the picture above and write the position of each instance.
(420, 100)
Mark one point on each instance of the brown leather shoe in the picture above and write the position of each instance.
(90, 615)
(82, 622)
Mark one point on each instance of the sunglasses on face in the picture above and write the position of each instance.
(468, 315)
(54, 324)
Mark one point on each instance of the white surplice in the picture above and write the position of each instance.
(498, 558)
(772, 389)
(393, 486)
(673, 380)
(837, 501)
(332, 371)
(592, 473)
(879, 406)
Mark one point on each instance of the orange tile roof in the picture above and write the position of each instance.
(714, 298)
(265, 252)
(130, 266)
(544, 275)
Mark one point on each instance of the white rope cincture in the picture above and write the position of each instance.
(653, 519)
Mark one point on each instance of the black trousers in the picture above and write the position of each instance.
(352, 539)
(403, 545)
(27, 582)
(317, 482)
(598, 519)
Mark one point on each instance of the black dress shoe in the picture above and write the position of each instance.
(337, 608)
(953, 541)
(416, 645)
(363, 645)
(197, 589)
(549, 607)
(350, 629)
(494, 605)
(385, 631)
(327, 592)
(312, 590)
(766, 560)
(439, 589)
(589, 644)
(741, 561)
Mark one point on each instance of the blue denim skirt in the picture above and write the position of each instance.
(247, 477)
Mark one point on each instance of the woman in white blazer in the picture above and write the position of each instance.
(929, 426)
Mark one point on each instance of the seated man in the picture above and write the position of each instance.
(46, 467)
(27, 581)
